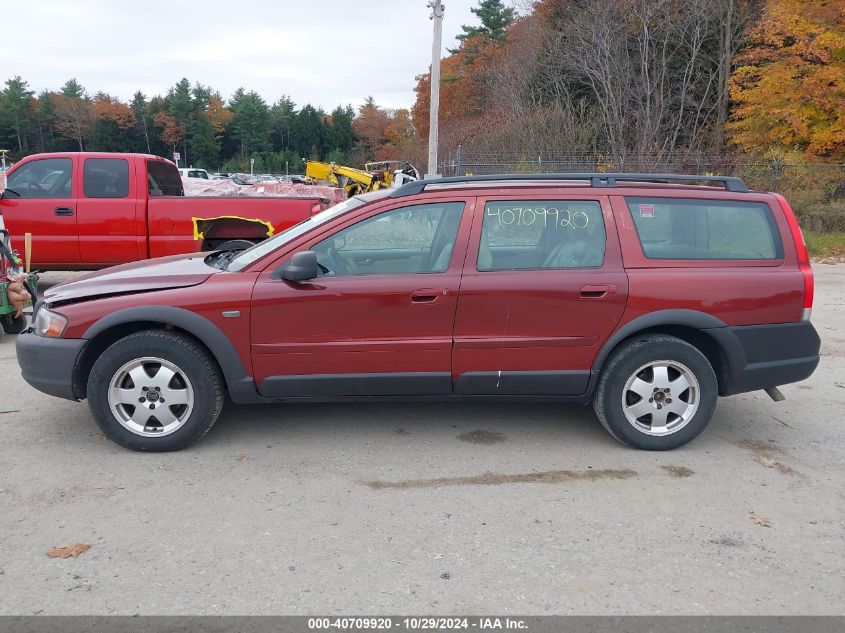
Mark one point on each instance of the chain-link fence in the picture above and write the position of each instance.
(815, 190)
(771, 175)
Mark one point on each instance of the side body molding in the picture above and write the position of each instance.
(240, 384)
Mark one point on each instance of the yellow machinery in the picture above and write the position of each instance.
(376, 175)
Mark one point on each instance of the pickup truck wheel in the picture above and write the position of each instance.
(12, 324)
(657, 392)
(155, 391)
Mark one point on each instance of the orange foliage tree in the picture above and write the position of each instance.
(108, 108)
(73, 117)
(171, 131)
(789, 86)
(218, 115)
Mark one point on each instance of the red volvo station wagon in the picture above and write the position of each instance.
(646, 295)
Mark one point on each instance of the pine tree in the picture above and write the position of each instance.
(495, 19)
(15, 103)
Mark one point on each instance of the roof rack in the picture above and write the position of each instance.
(597, 179)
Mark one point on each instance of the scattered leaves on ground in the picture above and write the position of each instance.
(71, 551)
(242, 457)
(766, 462)
(760, 520)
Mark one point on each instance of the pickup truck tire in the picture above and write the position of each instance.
(228, 245)
(155, 391)
(657, 392)
(12, 324)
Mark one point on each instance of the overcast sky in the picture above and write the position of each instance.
(324, 52)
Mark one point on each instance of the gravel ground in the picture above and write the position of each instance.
(432, 508)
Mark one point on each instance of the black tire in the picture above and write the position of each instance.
(182, 351)
(13, 324)
(608, 400)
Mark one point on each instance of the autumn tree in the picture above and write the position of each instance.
(74, 116)
(789, 86)
(171, 131)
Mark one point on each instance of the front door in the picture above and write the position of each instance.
(40, 199)
(379, 320)
(543, 287)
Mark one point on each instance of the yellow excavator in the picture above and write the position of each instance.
(374, 176)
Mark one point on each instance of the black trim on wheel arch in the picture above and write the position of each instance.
(755, 356)
(707, 323)
(370, 384)
(689, 318)
(523, 383)
(241, 385)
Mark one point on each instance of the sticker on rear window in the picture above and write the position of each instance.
(646, 210)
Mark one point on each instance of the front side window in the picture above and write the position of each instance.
(415, 239)
(527, 234)
(105, 178)
(43, 178)
(163, 179)
(705, 229)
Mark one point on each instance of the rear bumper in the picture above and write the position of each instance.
(49, 364)
(761, 356)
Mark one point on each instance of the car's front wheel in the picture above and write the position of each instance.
(155, 391)
(657, 392)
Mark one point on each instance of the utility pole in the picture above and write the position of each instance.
(437, 9)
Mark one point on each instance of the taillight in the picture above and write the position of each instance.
(316, 208)
(803, 256)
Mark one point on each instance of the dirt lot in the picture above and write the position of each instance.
(432, 508)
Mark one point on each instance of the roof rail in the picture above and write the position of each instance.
(597, 179)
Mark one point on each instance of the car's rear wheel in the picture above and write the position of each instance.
(657, 392)
(155, 391)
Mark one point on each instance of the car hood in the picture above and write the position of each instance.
(176, 271)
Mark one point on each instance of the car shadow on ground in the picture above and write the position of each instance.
(479, 423)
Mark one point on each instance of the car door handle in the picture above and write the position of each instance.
(427, 295)
(597, 291)
(64, 211)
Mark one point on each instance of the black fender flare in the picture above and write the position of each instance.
(718, 330)
(241, 385)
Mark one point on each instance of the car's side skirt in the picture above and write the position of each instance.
(428, 384)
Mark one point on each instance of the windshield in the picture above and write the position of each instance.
(245, 258)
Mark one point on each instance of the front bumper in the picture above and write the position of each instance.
(762, 356)
(49, 364)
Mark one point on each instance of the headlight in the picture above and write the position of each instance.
(48, 323)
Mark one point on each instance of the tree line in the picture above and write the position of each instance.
(647, 80)
(634, 81)
(195, 121)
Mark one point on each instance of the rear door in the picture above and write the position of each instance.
(543, 288)
(106, 212)
(42, 202)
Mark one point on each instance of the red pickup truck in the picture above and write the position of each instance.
(89, 210)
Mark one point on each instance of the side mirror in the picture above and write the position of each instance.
(301, 267)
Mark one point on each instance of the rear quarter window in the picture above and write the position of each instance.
(163, 179)
(680, 228)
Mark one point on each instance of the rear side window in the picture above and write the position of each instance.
(163, 179)
(105, 178)
(529, 234)
(705, 229)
